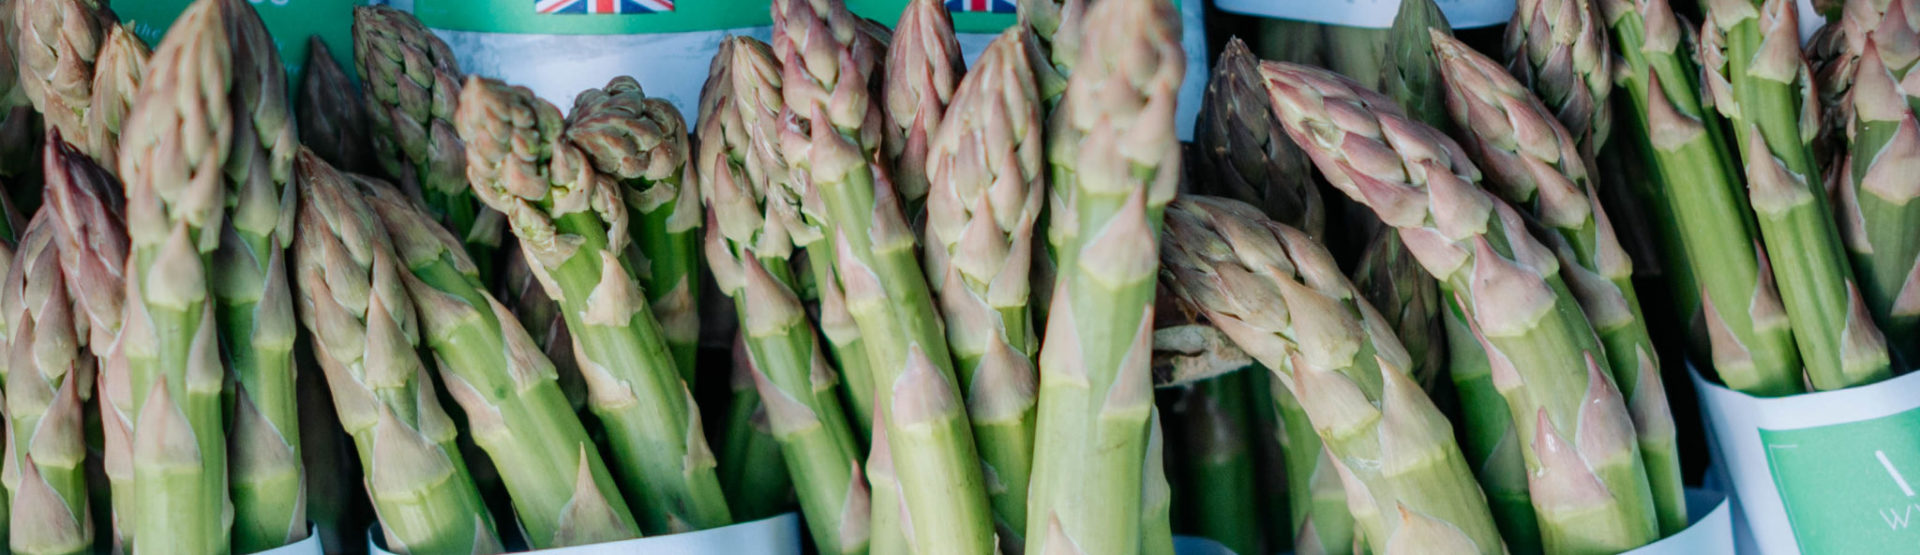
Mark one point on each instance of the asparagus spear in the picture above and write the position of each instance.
(1244, 154)
(18, 121)
(561, 489)
(641, 142)
(366, 336)
(756, 82)
(1390, 278)
(1410, 73)
(1281, 297)
(1876, 204)
(987, 187)
(1115, 165)
(173, 151)
(1536, 164)
(333, 117)
(834, 141)
(48, 380)
(1720, 279)
(1218, 501)
(752, 471)
(413, 87)
(1586, 477)
(1559, 49)
(253, 298)
(1056, 26)
(56, 47)
(91, 237)
(923, 66)
(572, 224)
(1760, 82)
(748, 248)
(116, 77)
(541, 317)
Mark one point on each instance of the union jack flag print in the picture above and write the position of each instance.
(602, 6)
(984, 6)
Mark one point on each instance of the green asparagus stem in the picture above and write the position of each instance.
(1760, 82)
(253, 299)
(1410, 73)
(116, 77)
(1586, 477)
(757, 84)
(173, 153)
(1056, 26)
(1536, 164)
(1115, 164)
(561, 489)
(19, 123)
(1491, 443)
(91, 238)
(1281, 297)
(752, 470)
(834, 140)
(56, 45)
(749, 245)
(1559, 49)
(1244, 154)
(47, 383)
(986, 196)
(572, 224)
(541, 317)
(641, 142)
(1876, 208)
(1390, 278)
(333, 116)
(413, 87)
(1219, 502)
(922, 69)
(366, 337)
(1721, 281)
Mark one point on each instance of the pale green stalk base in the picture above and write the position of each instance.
(1316, 500)
(1487, 436)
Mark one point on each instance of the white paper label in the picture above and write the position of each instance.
(1377, 14)
(1826, 472)
(778, 535)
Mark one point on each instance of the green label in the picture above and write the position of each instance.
(1850, 488)
(290, 22)
(592, 17)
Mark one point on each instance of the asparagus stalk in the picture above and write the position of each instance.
(1559, 49)
(18, 121)
(888, 504)
(366, 337)
(541, 317)
(173, 152)
(1219, 500)
(1876, 202)
(923, 67)
(1115, 165)
(1281, 297)
(1833, 55)
(48, 379)
(5, 426)
(91, 238)
(1390, 278)
(987, 187)
(1490, 442)
(752, 470)
(1244, 154)
(1056, 26)
(835, 141)
(1536, 164)
(253, 299)
(57, 44)
(333, 117)
(561, 489)
(116, 77)
(1410, 72)
(413, 88)
(1586, 476)
(641, 142)
(1760, 81)
(1187, 353)
(748, 248)
(756, 81)
(572, 224)
(1721, 282)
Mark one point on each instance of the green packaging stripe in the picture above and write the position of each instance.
(290, 22)
(592, 17)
